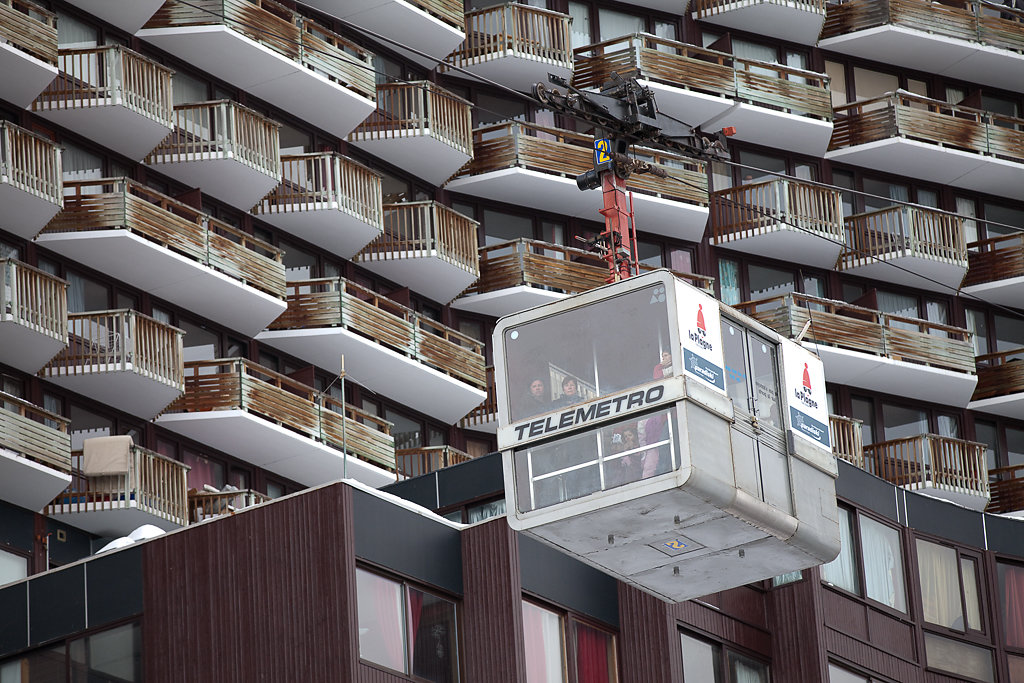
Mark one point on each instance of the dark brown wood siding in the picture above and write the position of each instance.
(794, 618)
(648, 640)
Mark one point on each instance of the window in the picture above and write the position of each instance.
(111, 655)
(547, 661)
(958, 657)
(13, 567)
(1011, 602)
(872, 559)
(842, 571)
(706, 662)
(837, 674)
(950, 592)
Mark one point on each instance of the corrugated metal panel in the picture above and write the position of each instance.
(368, 674)
(871, 658)
(797, 633)
(725, 626)
(648, 644)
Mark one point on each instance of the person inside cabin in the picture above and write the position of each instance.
(536, 400)
(656, 428)
(628, 467)
(570, 393)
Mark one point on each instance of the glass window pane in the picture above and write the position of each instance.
(12, 567)
(204, 471)
(977, 325)
(381, 620)
(736, 383)
(729, 281)
(580, 26)
(406, 431)
(114, 655)
(902, 422)
(1014, 446)
(842, 571)
(969, 576)
(766, 283)
(1011, 603)
(837, 675)
(502, 227)
(940, 585)
(883, 564)
(700, 661)
(433, 649)
(765, 370)
(959, 658)
(39, 666)
(595, 655)
(545, 653)
(747, 670)
(1016, 666)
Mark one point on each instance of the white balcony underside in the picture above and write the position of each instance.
(421, 154)
(1011, 405)
(897, 377)
(324, 224)
(24, 76)
(28, 484)
(221, 175)
(764, 126)
(506, 301)
(1005, 292)
(929, 161)
(673, 6)
(783, 20)
(550, 192)
(424, 271)
(264, 444)
(788, 243)
(688, 105)
(25, 348)
(913, 271)
(170, 276)
(24, 214)
(117, 386)
(380, 369)
(110, 519)
(513, 70)
(266, 74)
(128, 15)
(111, 124)
(488, 426)
(962, 497)
(934, 54)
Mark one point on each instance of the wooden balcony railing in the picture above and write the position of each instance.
(34, 433)
(282, 30)
(208, 504)
(426, 229)
(748, 210)
(995, 258)
(30, 28)
(847, 442)
(330, 302)
(34, 299)
(984, 22)
(1006, 485)
(514, 30)
(120, 203)
(486, 411)
(30, 162)
(941, 462)
(902, 114)
(111, 74)
(419, 108)
(412, 462)
(903, 231)
(649, 57)
(712, 8)
(221, 129)
(153, 483)
(121, 341)
(532, 263)
(1000, 374)
(846, 326)
(550, 150)
(240, 384)
(324, 181)
(450, 12)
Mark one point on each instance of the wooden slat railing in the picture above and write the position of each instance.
(995, 258)
(1000, 374)
(123, 204)
(899, 231)
(284, 31)
(30, 28)
(413, 462)
(425, 229)
(450, 12)
(153, 483)
(419, 108)
(330, 302)
(560, 152)
(34, 299)
(514, 30)
(324, 181)
(941, 462)
(109, 75)
(847, 442)
(846, 326)
(778, 204)
(240, 384)
(36, 434)
(712, 8)
(208, 504)
(1006, 485)
(30, 162)
(649, 57)
(486, 411)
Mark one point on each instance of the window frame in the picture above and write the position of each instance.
(721, 652)
(983, 636)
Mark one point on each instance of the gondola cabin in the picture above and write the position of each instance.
(664, 438)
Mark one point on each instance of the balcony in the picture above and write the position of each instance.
(780, 218)
(525, 273)
(1000, 388)
(121, 486)
(515, 45)
(515, 160)
(226, 149)
(203, 505)
(414, 462)
(326, 199)
(35, 453)
(28, 50)
(979, 42)
(1006, 485)
(170, 250)
(272, 53)
(765, 102)
(484, 418)
(30, 179)
(927, 246)
(938, 466)
(906, 134)
(995, 270)
(273, 422)
(122, 358)
(798, 21)
(845, 437)
(33, 315)
(876, 351)
(419, 127)
(388, 348)
(127, 16)
(110, 95)
(425, 246)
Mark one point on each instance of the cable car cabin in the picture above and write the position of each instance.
(660, 436)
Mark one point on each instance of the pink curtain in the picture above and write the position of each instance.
(1013, 605)
(388, 605)
(592, 655)
(536, 648)
(415, 609)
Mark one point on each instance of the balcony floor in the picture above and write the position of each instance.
(325, 224)
(111, 124)
(128, 16)
(222, 176)
(783, 20)
(28, 484)
(787, 243)
(962, 497)
(425, 271)
(24, 214)
(124, 389)
(25, 348)
(110, 519)
(913, 271)
(1010, 405)
(487, 426)
(423, 155)
(262, 443)
(506, 301)
(380, 369)
(513, 70)
(559, 194)
(24, 75)
(265, 74)
(1006, 292)
(165, 274)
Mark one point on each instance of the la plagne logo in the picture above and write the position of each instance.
(805, 392)
(699, 334)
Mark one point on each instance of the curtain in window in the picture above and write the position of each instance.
(883, 564)
(729, 281)
(747, 670)
(543, 636)
(940, 585)
(592, 661)
(841, 571)
(1011, 579)
(381, 622)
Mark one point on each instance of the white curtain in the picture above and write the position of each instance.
(841, 571)
(883, 564)
(940, 585)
